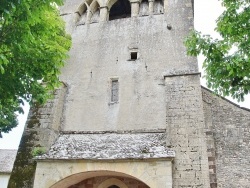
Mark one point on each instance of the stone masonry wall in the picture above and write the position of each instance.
(41, 130)
(101, 53)
(185, 126)
(228, 133)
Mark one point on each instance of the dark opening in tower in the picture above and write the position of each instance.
(133, 55)
(121, 9)
(158, 7)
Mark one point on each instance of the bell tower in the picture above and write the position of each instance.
(130, 112)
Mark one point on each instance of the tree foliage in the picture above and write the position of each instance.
(227, 60)
(33, 47)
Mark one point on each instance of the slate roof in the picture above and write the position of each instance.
(110, 146)
(7, 158)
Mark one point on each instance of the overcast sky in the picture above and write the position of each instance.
(206, 12)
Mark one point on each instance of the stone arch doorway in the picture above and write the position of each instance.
(100, 179)
(110, 182)
(63, 173)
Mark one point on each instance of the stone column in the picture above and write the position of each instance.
(165, 5)
(77, 17)
(151, 6)
(89, 16)
(104, 14)
(135, 7)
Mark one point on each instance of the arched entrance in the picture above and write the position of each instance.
(69, 173)
(110, 182)
(100, 179)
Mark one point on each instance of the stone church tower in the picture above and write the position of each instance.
(131, 113)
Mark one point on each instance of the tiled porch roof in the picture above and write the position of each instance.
(107, 146)
(7, 158)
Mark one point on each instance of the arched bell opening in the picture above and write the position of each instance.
(81, 13)
(159, 7)
(88, 12)
(100, 179)
(120, 9)
(144, 8)
(95, 8)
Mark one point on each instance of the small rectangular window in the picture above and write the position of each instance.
(114, 91)
(133, 55)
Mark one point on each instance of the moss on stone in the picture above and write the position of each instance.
(23, 172)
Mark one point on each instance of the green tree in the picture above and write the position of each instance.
(33, 48)
(227, 60)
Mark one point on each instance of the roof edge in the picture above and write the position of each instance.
(117, 132)
(225, 99)
(170, 158)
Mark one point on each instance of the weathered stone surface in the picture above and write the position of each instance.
(185, 128)
(7, 158)
(41, 130)
(228, 135)
(110, 146)
(101, 52)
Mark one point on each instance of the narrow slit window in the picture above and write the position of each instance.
(114, 91)
(133, 55)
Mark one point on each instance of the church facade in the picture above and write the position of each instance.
(131, 112)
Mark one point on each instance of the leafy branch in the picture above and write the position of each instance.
(33, 48)
(227, 61)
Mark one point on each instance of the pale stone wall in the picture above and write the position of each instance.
(185, 126)
(101, 52)
(228, 133)
(62, 174)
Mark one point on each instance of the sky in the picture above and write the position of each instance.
(206, 12)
